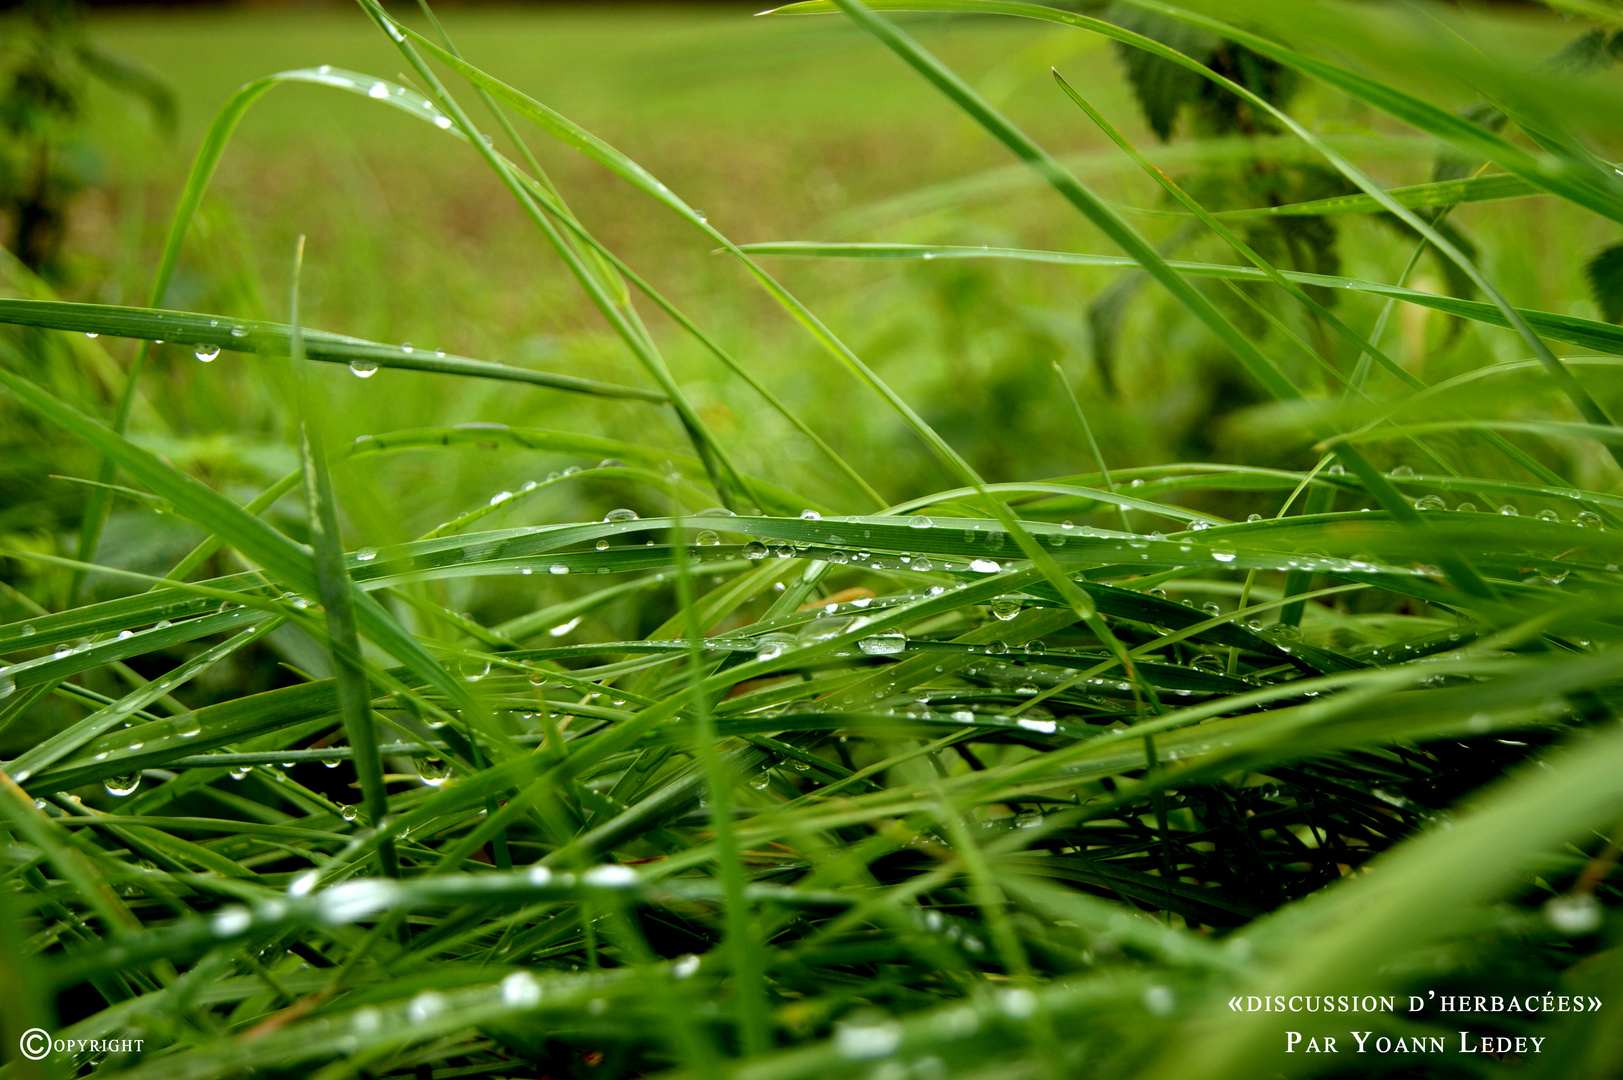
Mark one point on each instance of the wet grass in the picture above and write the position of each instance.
(824, 658)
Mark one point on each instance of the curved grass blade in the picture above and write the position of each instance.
(197, 181)
(488, 436)
(622, 319)
(1471, 189)
(274, 339)
(1589, 333)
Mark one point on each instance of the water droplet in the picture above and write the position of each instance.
(29, 630)
(920, 523)
(1402, 472)
(709, 511)
(123, 785)
(425, 1007)
(1159, 1001)
(367, 1021)
(1574, 915)
(707, 539)
(1509, 511)
(475, 668)
(563, 628)
(363, 369)
(1005, 609)
(1253, 517)
(239, 772)
(1430, 502)
(771, 646)
(985, 566)
(620, 515)
(754, 550)
(1223, 556)
(558, 568)
(866, 1042)
(366, 554)
(1030, 819)
(442, 122)
(1466, 508)
(609, 876)
(91, 334)
(1027, 690)
(230, 921)
(1587, 519)
(883, 645)
(433, 770)
(810, 515)
(239, 331)
(1548, 515)
(188, 726)
(684, 967)
(520, 990)
(206, 353)
(1199, 526)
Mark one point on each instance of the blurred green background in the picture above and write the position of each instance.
(778, 128)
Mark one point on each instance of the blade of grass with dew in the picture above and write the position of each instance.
(273, 339)
(623, 320)
(740, 943)
(336, 593)
(1590, 333)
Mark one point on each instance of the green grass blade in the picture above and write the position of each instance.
(1590, 333)
(221, 333)
(337, 594)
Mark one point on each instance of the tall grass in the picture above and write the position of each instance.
(1027, 777)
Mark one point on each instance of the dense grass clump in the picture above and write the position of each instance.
(773, 765)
